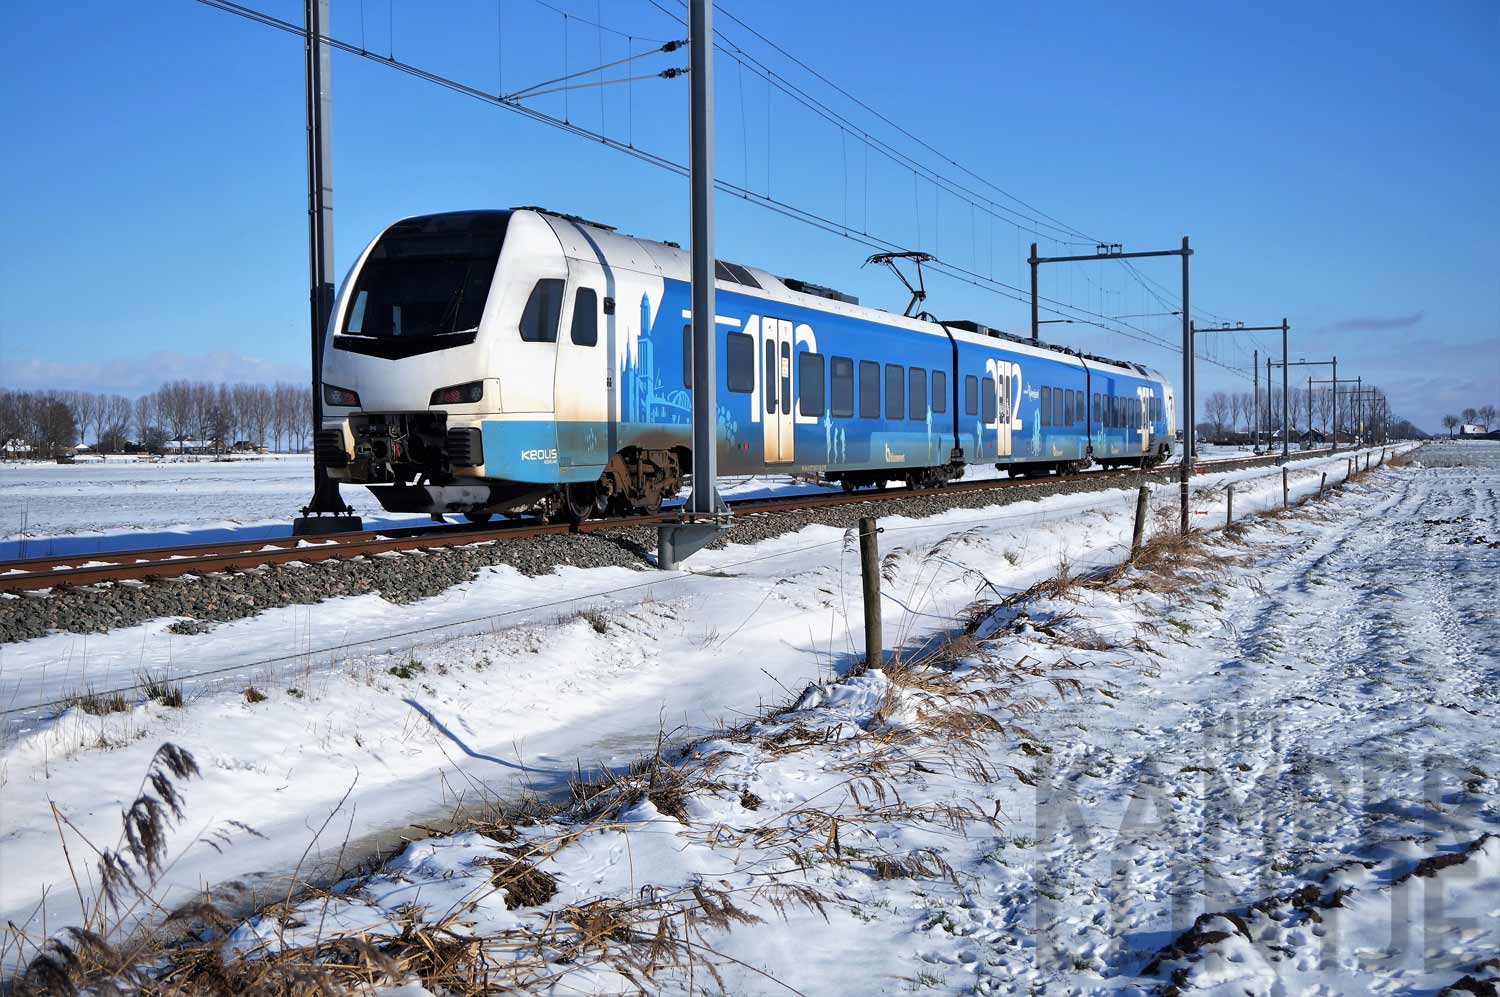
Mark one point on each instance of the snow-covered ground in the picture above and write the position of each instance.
(122, 503)
(1268, 768)
(511, 689)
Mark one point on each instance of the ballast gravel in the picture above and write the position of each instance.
(411, 576)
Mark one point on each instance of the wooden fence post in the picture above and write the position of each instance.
(1322, 484)
(1229, 505)
(1285, 493)
(1141, 498)
(869, 570)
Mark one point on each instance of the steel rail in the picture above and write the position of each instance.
(32, 574)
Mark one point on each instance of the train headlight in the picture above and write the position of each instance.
(459, 394)
(340, 396)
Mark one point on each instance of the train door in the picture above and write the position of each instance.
(1002, 381)
(777, 347)
(1143, 402)
(583, 389)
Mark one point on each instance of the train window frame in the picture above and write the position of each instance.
(939, 382)
(770, 377)
(1045, 405)
(1098, 415)
(895, 391)
(739, 363)
(1067, 407)
(971, 394)
(841, 387)
(811, 370)
(989, 402)
(1058, 394)
(532, 311)
(577, 333)
(869, 389)
(916, 394)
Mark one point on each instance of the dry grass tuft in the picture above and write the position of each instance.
(254, 695)
(97, 704)
(524, 884)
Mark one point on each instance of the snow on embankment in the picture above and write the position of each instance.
(1265, 763)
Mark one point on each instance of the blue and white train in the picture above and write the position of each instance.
(484, 362)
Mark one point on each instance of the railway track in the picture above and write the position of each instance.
(40, 573)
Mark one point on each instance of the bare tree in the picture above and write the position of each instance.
(1216, 406)
(1487, 415)
(1450, 423)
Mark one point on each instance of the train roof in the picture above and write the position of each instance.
(673, 261)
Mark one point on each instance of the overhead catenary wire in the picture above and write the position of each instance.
(954, 271)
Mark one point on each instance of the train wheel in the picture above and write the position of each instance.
(579, 501)
(478, 517)
(848, 484)
(652, 505)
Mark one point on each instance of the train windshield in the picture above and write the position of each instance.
(427, 277)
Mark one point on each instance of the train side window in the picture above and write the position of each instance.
(841, 386)
(895, 391)
(987, 396)
(916, 393)
(939, 391)
(768, 375)
(1067, 407)
(869, 389)
(539, 317)
(971, 395)
(1098, 419)
(810, 383)
(739, 363)
(1046, 406)
(585, 331)
(1057, 407)
(687, 356)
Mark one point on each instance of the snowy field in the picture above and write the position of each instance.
(122, 503)
(513, 688)
(1268, 768)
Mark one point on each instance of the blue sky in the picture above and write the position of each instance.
(1332, 162)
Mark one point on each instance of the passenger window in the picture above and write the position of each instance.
(739, 363)
(687, 357)
(585, 330)
(1097, 416)
(1046, 407)
(869, 389)
(841, 387)
(939, 391)
(1065, 412)
(916, 393)
(770, 377)
(988, 396)
(539, 317)
(971, 395)
(895, 391)
(810, 383)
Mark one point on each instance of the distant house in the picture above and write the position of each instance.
(1473, 429)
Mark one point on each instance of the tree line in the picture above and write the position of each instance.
(46, 423)
(1483, 415)
(1226, 414)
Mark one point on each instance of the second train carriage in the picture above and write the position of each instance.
(497, 361)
